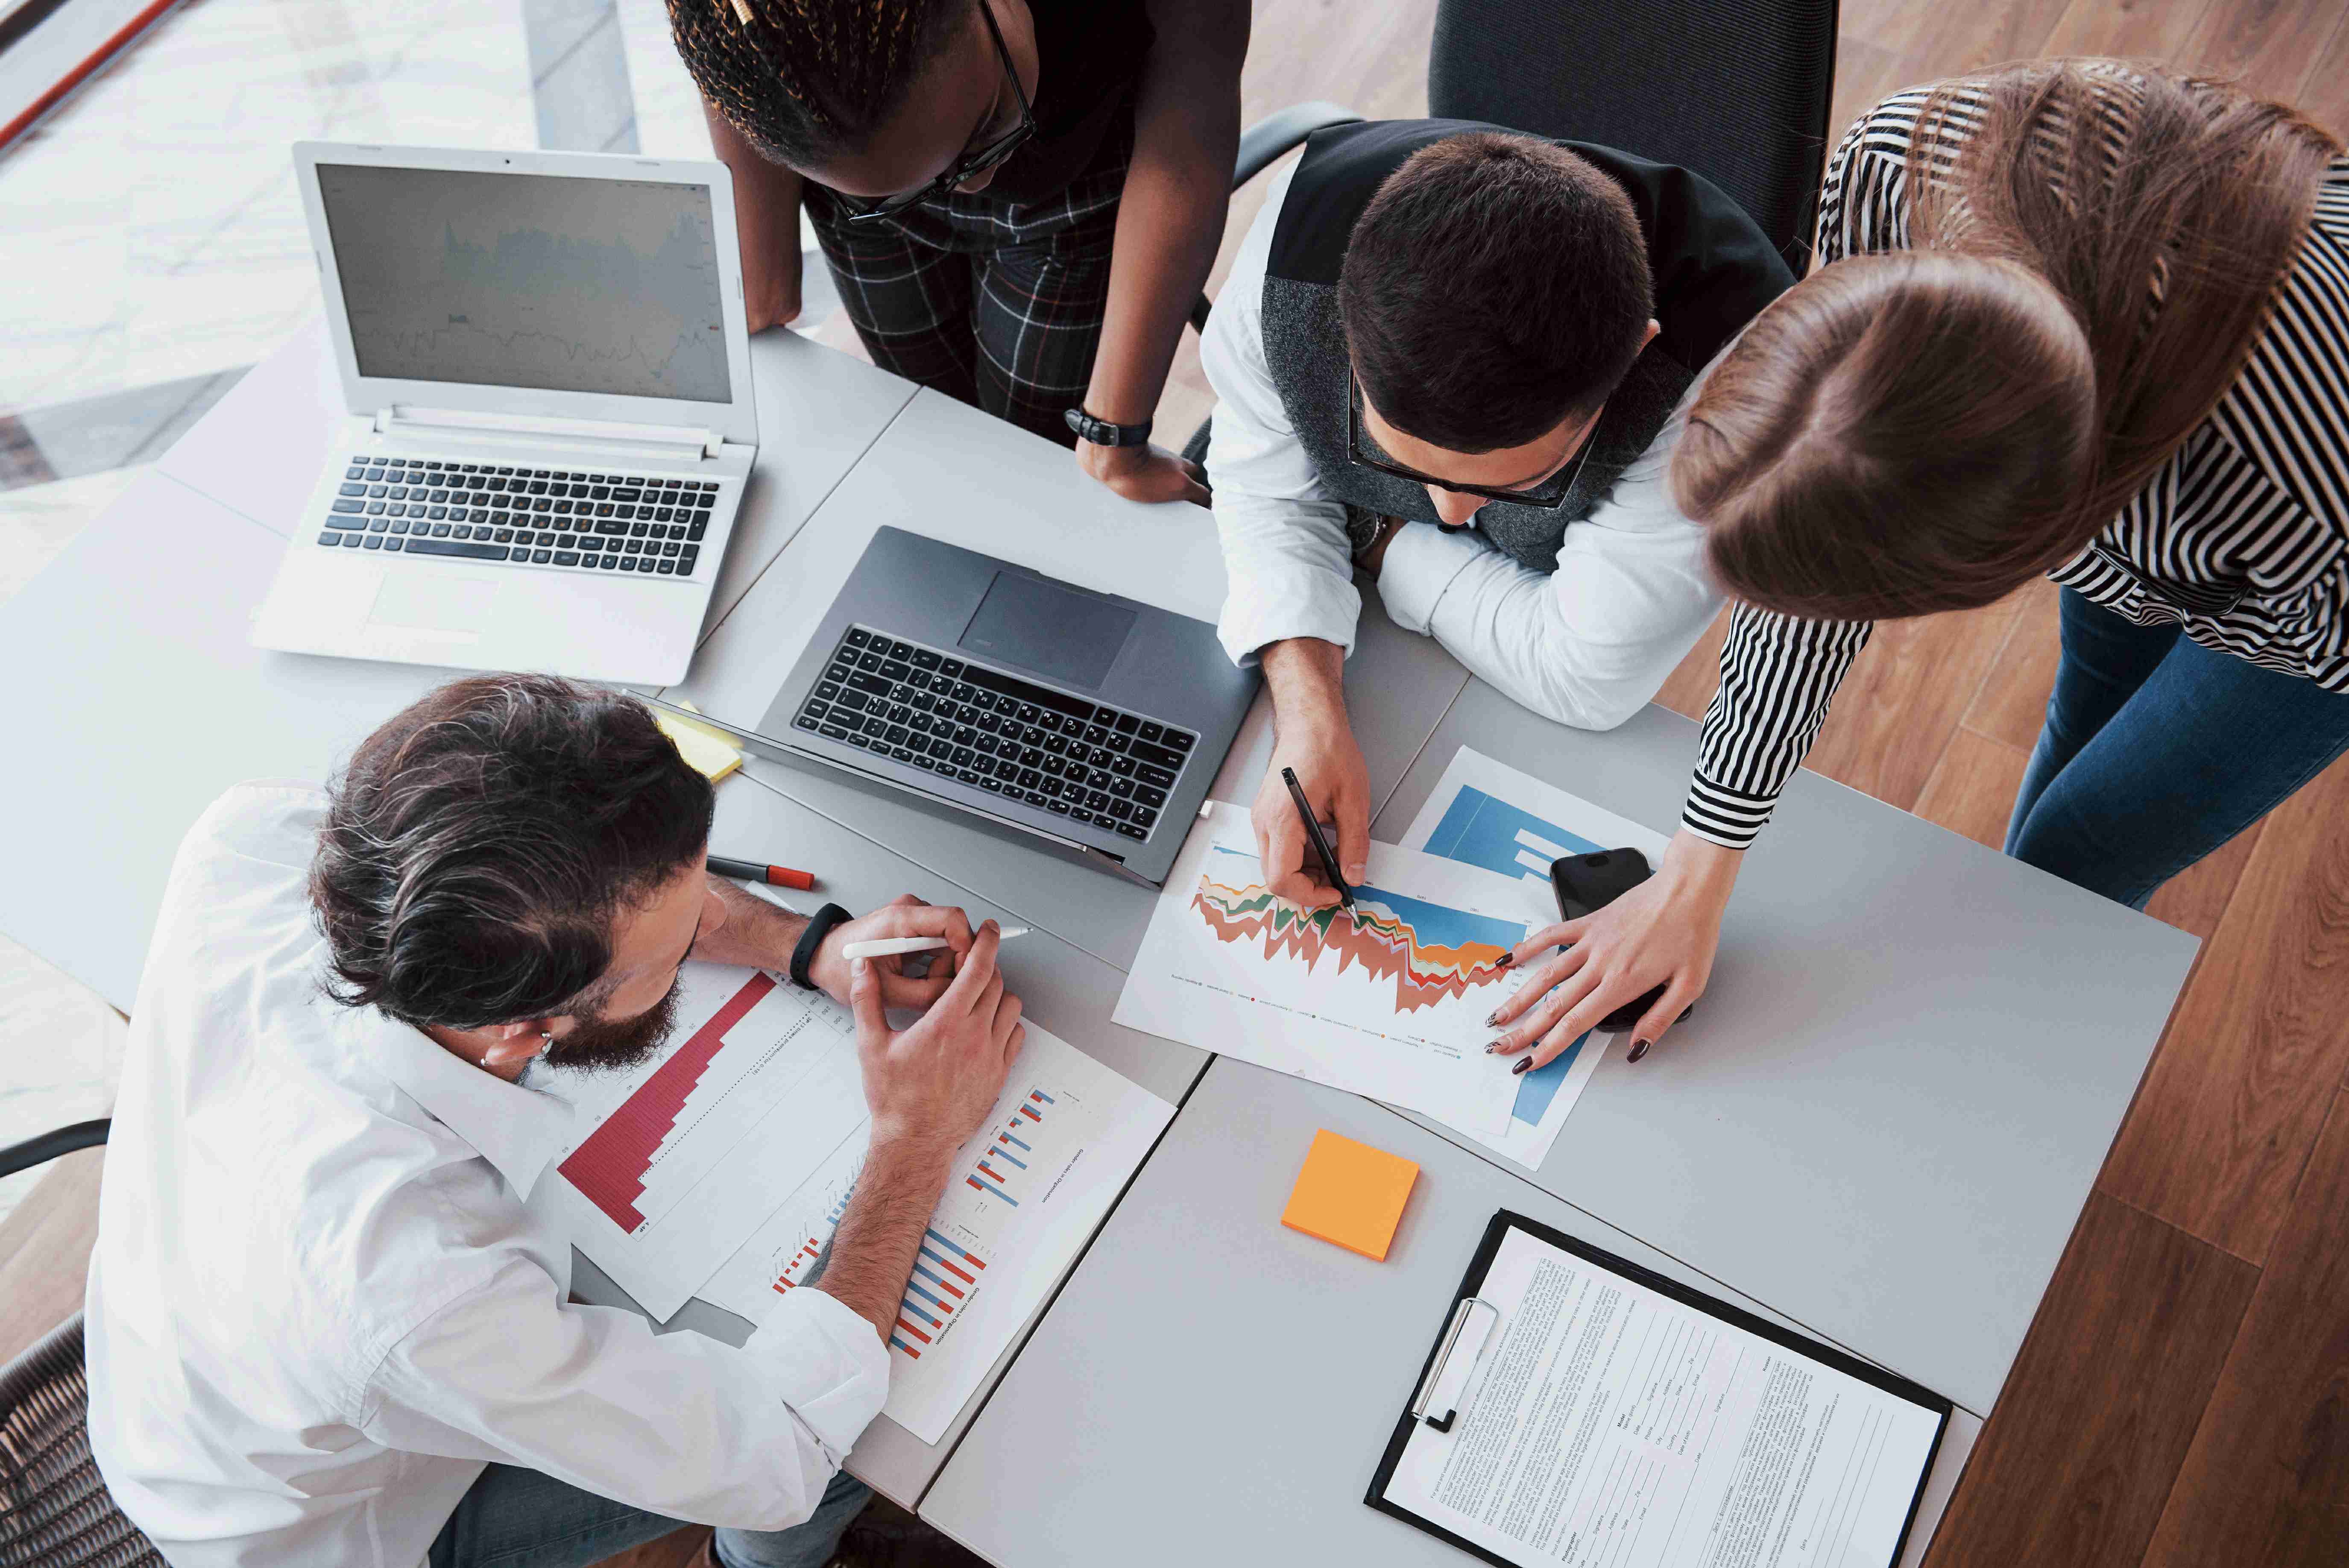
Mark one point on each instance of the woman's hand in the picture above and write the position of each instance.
(1142, 472)
(1664, 932)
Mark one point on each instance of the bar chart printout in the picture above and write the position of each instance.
(1487, 815)
(681, 1158)
(1026, 1189)
(1388, 999)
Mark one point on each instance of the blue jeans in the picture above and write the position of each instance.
(516, 1517)
(2157, 750)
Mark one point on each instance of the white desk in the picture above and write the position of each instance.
(1866, 1128)
(1212, 1387)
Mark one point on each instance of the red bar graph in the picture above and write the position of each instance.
(609, 1167)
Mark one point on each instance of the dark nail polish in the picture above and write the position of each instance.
(1497, 1046)
(1523, 1063)
(1638, 1049)
(1493, 1019)
(1506, 960)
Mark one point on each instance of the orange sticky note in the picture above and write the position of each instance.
(1349, 1194)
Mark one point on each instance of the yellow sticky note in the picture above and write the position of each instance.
(1349, 1194)
(712, 753)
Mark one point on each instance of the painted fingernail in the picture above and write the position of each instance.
(1638, 1049)
(1506, 960)
(1493, 1019)
(1523, 1063)
(1497, 1046)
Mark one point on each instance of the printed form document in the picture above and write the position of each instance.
(1615, 1417)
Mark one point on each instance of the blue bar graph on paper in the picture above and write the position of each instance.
(1007, 1153)
(1041, 1095)
(985, 1186)
(931, 1295)
(952, 1246)
(897, 1343)
(1479, 830)
(930, 1274)
(1010, 1139)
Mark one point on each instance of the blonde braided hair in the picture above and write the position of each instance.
(805, 79)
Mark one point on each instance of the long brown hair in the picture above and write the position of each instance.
(2095, 250)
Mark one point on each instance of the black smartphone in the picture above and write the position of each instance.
(1586, 884)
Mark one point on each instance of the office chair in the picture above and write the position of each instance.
(1739, 90)
(54, 1510)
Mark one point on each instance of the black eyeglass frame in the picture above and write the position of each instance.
(968, 166)
(1563, 478)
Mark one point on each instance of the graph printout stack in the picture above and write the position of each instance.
(755, 1118)
(1388, 1001)
(1026, 1190)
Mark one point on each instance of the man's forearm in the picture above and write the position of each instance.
(1307, 678)
(755, 932)
(873, 1251)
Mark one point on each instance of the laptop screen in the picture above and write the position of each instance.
(529, 280)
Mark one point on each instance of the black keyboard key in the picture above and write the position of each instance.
(1127, 724)
(1181, 739)
(451, 548)
(1148, 795)
(538, 557)
(1144, 817)
(1157, 755)
(1158, 776)
(951, 669)
(1152, 731)
(857, 638)
(685, 562)
(864, 682)
(1131, 831)
(925, 660)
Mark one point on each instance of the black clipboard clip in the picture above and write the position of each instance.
(1456, 1354)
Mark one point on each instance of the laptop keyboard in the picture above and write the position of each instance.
(651, 524)
(1071, 755)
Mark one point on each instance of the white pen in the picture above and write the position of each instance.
(890, 947)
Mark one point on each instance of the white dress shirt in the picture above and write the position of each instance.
(318, 1306)
(1587, 645)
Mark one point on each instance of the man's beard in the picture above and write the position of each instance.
(601, 1044)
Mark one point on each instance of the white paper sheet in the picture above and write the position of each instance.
(663, 1179)
(1390, 1001)
(1487, 815)
(1608, 1423)
(1028, 1188)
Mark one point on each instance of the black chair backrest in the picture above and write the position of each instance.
(55, 1509)
(1737, 90)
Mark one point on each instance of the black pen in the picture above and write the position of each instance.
(1313, 837)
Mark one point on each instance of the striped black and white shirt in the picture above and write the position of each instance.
(2241, 539)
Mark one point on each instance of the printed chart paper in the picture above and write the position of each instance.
(1488, 815)
(679, 1159)
(1028, 1188)
(1607, 1423)
(1389, 1002)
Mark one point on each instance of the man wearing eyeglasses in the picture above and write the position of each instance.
(1449, 357)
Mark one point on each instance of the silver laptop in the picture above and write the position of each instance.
(548, 383)
(1079, 721)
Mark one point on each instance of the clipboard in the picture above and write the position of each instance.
(1442, 1379)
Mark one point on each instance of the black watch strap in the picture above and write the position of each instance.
(819, 927)
(1101, 432)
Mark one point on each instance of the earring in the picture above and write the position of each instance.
(545, 1040)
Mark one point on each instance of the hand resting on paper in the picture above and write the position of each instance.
(1665, 931)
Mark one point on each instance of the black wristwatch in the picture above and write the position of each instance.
(819, 926)
(1101, 432)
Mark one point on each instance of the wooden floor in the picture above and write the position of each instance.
(2184, 1394)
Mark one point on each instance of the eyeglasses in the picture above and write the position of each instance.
(973, 161)
(1548, 497)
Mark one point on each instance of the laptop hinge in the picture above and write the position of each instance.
(589, 435)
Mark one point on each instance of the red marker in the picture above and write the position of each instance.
(773, 876)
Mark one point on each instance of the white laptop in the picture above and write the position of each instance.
(548, 383)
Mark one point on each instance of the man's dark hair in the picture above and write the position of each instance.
(1495, 286)
(481, 844)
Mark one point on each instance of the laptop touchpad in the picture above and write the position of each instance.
(430, 602)
(1062, 632)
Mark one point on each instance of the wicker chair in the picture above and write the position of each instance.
(54, 1510)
